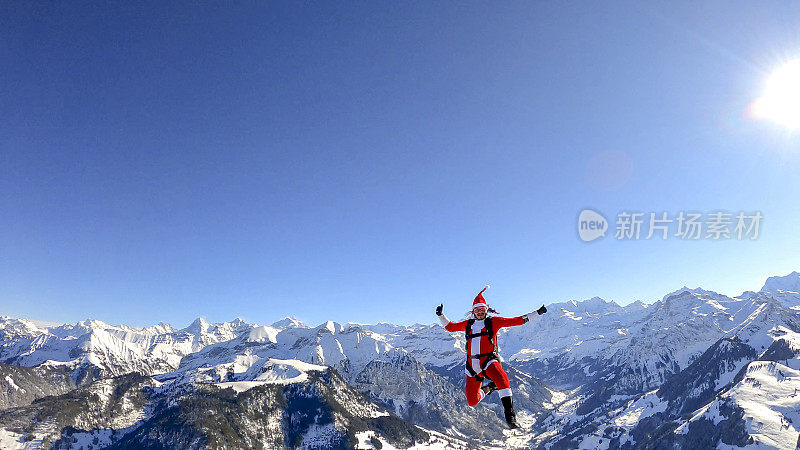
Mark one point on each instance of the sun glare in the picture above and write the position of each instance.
(780, 102)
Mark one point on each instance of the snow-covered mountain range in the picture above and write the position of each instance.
(590, 374)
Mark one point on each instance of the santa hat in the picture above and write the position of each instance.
(479, 300)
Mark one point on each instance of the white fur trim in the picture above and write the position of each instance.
(445, 321)
(490, 362)
(504, 392)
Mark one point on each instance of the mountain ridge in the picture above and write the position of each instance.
(571, 369)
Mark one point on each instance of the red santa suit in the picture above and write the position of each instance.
(482, 351)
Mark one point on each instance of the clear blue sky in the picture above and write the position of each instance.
(366, 161)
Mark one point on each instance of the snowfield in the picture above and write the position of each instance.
(275, 371)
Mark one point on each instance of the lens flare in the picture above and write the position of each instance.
(781, 100)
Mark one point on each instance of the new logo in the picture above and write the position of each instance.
(591, 225)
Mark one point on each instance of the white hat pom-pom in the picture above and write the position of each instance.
(487, 287)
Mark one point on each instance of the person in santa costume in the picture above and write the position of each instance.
(483, 360)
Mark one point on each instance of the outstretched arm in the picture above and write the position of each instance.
(450, 326)
(501, 322)
(536, 313)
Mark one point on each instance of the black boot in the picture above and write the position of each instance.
(511, 416)
(489, 388)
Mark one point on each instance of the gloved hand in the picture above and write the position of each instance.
(439, 309)
(541, 310)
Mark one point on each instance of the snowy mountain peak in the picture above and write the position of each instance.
(789, 282)
(161, 328)
(594, 305)
(758, 329)
(785, 289)
(331, 327)
(289, 322)
(636, 305)
(697, 292)
(11, 328)
(598, 304)
(199, 326)
(92, 324)
(152, 330)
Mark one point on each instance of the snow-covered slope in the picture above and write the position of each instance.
(347, 349)
(738, 392)
(314, 409)
(762, 401)
(785, 289)
(21, 386)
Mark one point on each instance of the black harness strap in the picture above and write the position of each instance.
(469, 335)
(482, 333)
(482, 355)
(472, 371)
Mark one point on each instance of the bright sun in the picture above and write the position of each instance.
(780, 102)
